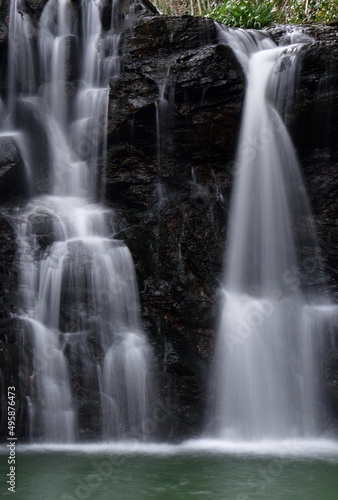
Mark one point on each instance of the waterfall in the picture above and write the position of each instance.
(78, 286)
(164, 108)
(21, 59)
(266, 376)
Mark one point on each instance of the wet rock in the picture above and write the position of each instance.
(14, 357)
(316, 108)
(8, 271)
(4, 7)
(314, 131)
(188, 89)
(3, 31)
(173, 124)
(284, 34)
(115, 14)
(28, 118)
(35, 6)
(13, 175)
(173, 127)
(42, 226)
(312, 123)
(176, 236)
(130, 176)
(70, 47)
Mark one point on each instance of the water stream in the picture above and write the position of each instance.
(78, 289)
(267, 371)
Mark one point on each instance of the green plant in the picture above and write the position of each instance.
(254, 13)
(181, 7)
(302, 11)
(245, 13)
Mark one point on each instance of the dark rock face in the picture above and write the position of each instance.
(174, 121)
(314, 130)
(13, 175)
(313, 127)
(3, 31)
(8, 272)
(174, 116)
(11, 346)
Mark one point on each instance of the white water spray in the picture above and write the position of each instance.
(77, 284)
(267, 351)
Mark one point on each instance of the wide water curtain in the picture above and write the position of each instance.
(78, 289)
(266, 380)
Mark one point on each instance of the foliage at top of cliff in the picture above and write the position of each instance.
(303, 11)
(245, 14)
(254, 13)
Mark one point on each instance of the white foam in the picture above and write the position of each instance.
(299, 448)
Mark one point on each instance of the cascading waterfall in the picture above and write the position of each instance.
(21, 59)
(266, 370)
(164, 106)
(77, 284)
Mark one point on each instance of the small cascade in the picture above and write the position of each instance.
(162, 112)
(266, 369)
(77, 284)
(21, 60)
(21, 79)
(20, 140)
(164, 106)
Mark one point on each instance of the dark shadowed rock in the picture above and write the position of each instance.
(314, 130)
(13, 175)
(35, 6)
(11, 352)
(8, 271)
(3, 31)
(173, 124)
(173, 127)
(42, 221)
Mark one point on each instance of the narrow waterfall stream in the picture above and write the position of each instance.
(78, 287)
(268, 347)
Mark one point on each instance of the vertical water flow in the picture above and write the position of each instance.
(265, 371)
(20, 57)
(78, 285)
(164, 106)
(21, 78)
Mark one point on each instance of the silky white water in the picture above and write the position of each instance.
(78, 286)
(267, 371)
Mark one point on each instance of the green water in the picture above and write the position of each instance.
(195, 474)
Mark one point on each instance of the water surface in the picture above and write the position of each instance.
(197, 470)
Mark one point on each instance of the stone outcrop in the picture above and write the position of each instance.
(13, 174)
(174, 117)
(174, 120)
